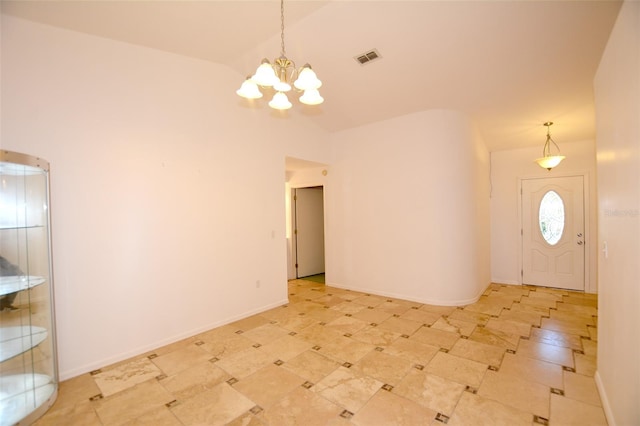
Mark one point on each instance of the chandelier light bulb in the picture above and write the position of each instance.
(311, 97)
(249, 90)
(280, 101)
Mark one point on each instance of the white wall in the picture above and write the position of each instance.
(408, 207)
(167, 203)
(507, 167)
(617, 89)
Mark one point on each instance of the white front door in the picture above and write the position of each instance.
(553, 243)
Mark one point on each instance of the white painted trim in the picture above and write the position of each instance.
(589, 287)
(296, 180)
(413, 299)
(65, 375)
(293, 240)
(606, 406)
(506, 282)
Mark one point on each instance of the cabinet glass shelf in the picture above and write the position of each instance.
(28, 360)
(15, 283)
(4, 228)
(23, 393)
(18, 339)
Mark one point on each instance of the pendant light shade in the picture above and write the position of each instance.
(550, 161)
(249, 90)
(307, 79)
(311, 97)
(280, 101)
(265, 75)
(282, 86)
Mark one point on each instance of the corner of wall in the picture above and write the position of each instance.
(604, 398)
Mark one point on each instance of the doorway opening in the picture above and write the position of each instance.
(305, 192)
(308, 233)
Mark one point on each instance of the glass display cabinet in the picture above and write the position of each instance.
(28, 364)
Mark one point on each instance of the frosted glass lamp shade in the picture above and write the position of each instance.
(249, 90)
(550, 161)
(282, 86)
(265, 75)
(307, 79)
(311, 97)
(280, 101)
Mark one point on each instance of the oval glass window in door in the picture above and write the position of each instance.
(551, 217)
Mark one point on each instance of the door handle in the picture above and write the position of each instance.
(579, 234)
(580, 243)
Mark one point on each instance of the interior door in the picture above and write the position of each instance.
(309, 231)
(553, 243)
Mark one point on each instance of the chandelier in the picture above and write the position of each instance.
(548, 161)
(280, 76)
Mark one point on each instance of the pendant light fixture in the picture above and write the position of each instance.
(280, 76)
(548, 161)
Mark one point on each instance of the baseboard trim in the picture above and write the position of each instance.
(71, 373)
(460, 302)
(507, 282)
(606, 406)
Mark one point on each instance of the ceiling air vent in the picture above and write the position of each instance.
(368, 56)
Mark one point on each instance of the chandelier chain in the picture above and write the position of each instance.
(282, 51)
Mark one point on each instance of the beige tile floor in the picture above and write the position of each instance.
(519, 356)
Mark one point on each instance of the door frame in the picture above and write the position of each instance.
(294, 224)
(292, 213)
(587, 224)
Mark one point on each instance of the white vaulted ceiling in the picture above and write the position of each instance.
(511, 65)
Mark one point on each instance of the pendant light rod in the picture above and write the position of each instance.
(546, 150)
